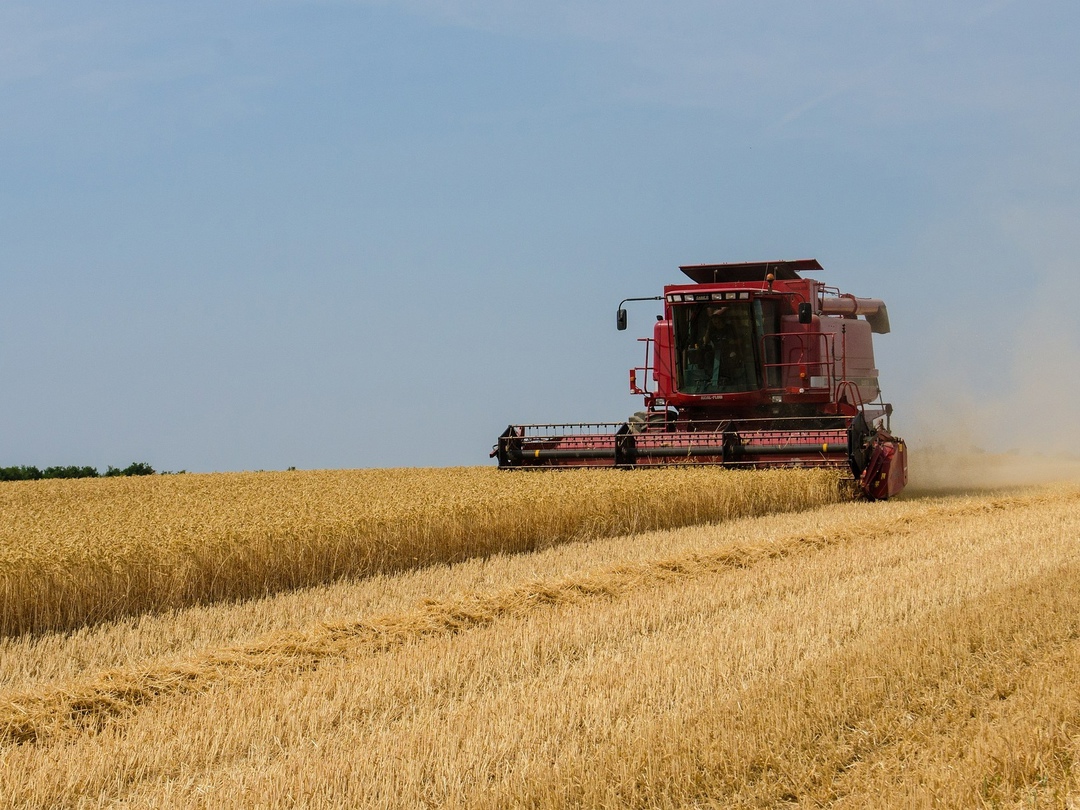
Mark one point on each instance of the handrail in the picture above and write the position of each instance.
(825, 361)
(645, 369)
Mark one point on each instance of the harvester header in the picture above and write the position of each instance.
(751, 365)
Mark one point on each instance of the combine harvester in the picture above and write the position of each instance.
(751, 366)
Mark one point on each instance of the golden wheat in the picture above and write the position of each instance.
(892, 655)
(78, 552)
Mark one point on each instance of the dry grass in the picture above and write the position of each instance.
(74, 553)
(907, 654)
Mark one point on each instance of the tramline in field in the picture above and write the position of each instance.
(751, 365)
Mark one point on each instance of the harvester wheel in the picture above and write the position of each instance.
(650, 420)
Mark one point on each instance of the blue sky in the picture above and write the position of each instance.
(350, 234)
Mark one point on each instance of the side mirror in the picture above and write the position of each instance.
(806, 314)
(620, 320)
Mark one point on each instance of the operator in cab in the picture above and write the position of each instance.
(719, 355)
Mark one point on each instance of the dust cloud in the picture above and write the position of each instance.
(1003, 419)
(939, 470)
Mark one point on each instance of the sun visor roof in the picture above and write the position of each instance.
(749, 271)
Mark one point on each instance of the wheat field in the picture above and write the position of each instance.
(74, 553)
(916, 653)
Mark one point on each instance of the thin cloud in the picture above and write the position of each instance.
(798, 112)
(774, 66)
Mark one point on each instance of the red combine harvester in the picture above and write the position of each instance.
(751, 365)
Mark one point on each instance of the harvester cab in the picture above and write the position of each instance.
(750, 365)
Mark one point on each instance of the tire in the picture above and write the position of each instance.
(650, 420)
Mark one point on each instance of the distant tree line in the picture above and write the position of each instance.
(24, 473)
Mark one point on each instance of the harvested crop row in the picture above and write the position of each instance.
(878, 670)
(74, 553)
(45, 713)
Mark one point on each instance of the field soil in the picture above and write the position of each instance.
(916, 653)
